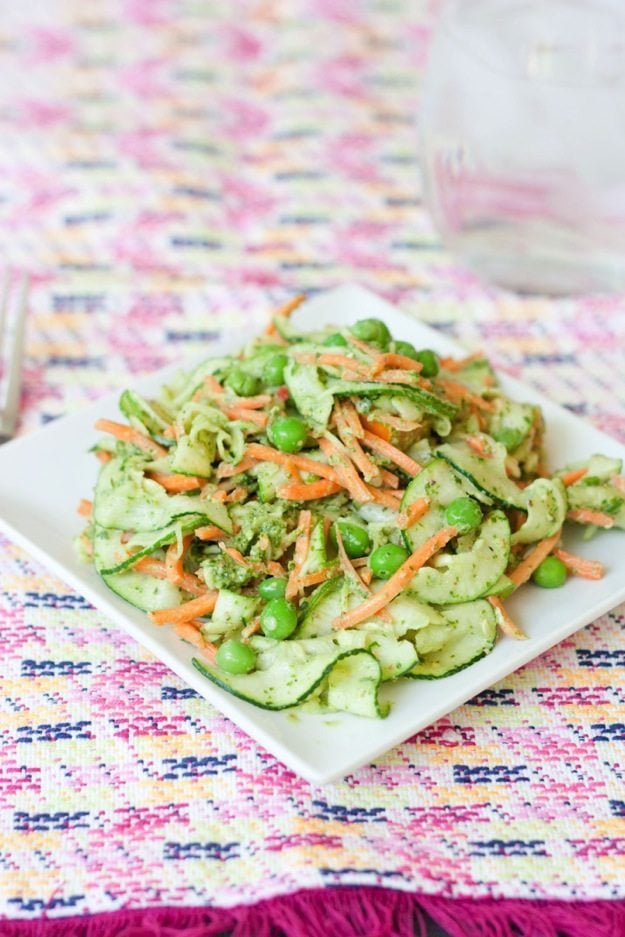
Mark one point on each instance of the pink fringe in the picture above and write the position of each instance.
(345, 912)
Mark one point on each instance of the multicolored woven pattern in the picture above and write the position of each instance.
(168, 170)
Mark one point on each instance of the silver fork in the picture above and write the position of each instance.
(13, 305)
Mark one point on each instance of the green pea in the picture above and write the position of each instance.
(511, 438)
(287, 433)
(551, 574)
(335, 339)
(235, 657)
(272, 588)
(464, 513)
(355, 538)
(386, 560)
(406, 349)
(278, 619)
(428, 361)
(242, 383)
(373, 331)
(273, 372)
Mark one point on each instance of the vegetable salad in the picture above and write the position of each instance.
(330, 510)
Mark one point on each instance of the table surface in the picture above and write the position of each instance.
(169, 171)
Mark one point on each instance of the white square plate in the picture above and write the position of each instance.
(42, 518)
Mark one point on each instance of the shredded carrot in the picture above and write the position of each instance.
(366, 576)
(308, 492)
(284, 312)
(85, 507)
(252, 628)
(195, 608)
(314, 579)
(347, 474)
(190, 631)
(457, 364)
(174, 559)
(569, 478)
(237, 495)
(386, 449)
(293, 471)
(275, 569)
(212, 384)
(253, 403)
(395, 422)
(219, 496)
(359, 457)
(158, 570)
(587, 569)
(416, 510)
(333, 360)
(210, 532)
(505, 622)
(618, 481)
(389, 478)
(209, 652)
(397, 376)
(527, 566)
(352, 419)
(248, 416)
(457, 392)
(171, 432)
(176, 483)
(394, 360)
(398, 580)
(103, 456)
(263, 453)
(363, 347)
(239, 559)
(228, 470)
(302, 545)
(377, 428)
(389, 497)
(588, 516)
(479, 446)
(129, 434)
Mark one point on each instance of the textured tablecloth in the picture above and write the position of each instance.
(169, 169)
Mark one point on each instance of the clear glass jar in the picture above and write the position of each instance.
(522, 127)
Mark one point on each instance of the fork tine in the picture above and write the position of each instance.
(14, 379)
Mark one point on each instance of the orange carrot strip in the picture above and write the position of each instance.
(284, 312)
(364, 347)
(386, 449)
(569, 478)
(210, 532)
(588, 516)
(527, 566)
(334, 360)
(195, 608)
(479, 446)
(457, 392)
(249, 416)
(394, 360)
(275, 569)
(176, 483)
(587, 569)
(299, 557)
(129, 434)
(212, 384)
(457, 364)
(504, 620)
(266, 454)
(352, 419)
(377, 427)
(398, 580)
(397, 376)
(228, 470)
(190, 631)
(103, 456)
(253, 403)
(304, 492)
(85, 507)
(395, 422)
(174, 559)
(170, 433)
(314, 579)
(390, 498)
(416, 510)
(158, 570)
(389, 478)
(347, 474)
(359, 457)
